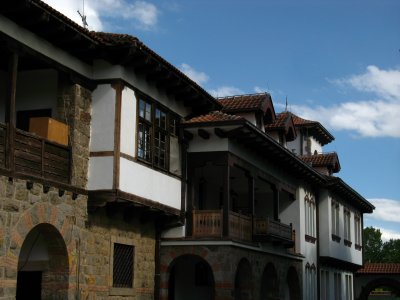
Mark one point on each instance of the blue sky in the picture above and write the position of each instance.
(337, 62)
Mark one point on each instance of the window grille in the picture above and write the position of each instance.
(123, 266)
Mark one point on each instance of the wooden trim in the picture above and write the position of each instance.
(358, 247)
(11, 109)
(336, 238)
(101, 153)
(347, 243)
(310, 239)
(128, 157)
(118, 86)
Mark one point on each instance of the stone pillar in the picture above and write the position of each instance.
(74, 105)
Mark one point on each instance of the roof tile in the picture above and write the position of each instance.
(214, 116)
(251, 102)
(380, 268)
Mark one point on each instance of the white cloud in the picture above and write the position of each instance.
(226, 91)
(258, 89)
(389, 234)
(386, 210)
(369, 118)
(199, 77)
(142, 14)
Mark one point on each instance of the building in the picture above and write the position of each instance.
(118, 174)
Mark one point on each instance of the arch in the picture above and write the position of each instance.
(293, 284)
(190, 277)
(243, 281)
(269, 283)
(43, 266)
(393, 284)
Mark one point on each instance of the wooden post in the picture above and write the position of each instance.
(11, 114)
(227, 199)
(251, 187)
(276, 202)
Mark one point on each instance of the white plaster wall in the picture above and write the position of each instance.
(214, 143)
(104, 70)
(103, 118)
(175, 232)
(327, 246)
(251, 117)
(147, 183)
(128, 122)
(315, 146)
(100, 175)
(37, 90)
(42, 46)
(295, 146)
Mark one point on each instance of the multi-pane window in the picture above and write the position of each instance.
(349, 287)
(347, 235)
(335, 218)
(337, 288)
(123, 266)
(357, 232)
(324, 285)
(310, 281)
(157, 136)
(310, 217)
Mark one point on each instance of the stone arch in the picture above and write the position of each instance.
(387, 282)
(44, 214)
(190, 277)
(293, 284)
(43, 266)
(243, 281)
(269, 283)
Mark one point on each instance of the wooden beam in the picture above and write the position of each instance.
(203, 134)
(11, 114)
(220, 133)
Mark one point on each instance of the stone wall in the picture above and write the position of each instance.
(224, 262)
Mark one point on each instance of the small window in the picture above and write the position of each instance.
(122, 266)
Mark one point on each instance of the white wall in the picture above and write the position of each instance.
(148, 183)
(328, 247)
(103, 118)
(100, 175)
(128, 122)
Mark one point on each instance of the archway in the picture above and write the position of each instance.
(293, 285)
(269, 283)
(243, 281)
(389, 283)
(190, 277)
(43, 268)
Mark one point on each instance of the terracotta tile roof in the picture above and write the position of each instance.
(380, 268)
(323, 160)
(214, 116)
(250, 102)
(279, 123)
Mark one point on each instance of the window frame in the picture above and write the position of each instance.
(170, 130)
(310, 219)
(347, 227)
(335, 220)
(357, 232)
(120, 291)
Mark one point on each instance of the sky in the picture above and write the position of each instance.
(336, 62)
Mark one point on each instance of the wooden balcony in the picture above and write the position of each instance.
(34, 156)
(209, 224)
(266, 229)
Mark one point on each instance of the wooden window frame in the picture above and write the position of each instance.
(170, 130)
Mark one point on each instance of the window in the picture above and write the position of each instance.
(310, 282)
(349, 287)
(335, 218)
(347, 235)
(337, 282)
(122, 266)
(324, 283)
(357, 232)
(310, 218)
(158, 143)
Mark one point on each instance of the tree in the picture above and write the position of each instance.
(372, 245)
(391, 251)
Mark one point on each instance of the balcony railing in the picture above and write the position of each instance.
(209, 223)
(266, 227)
(36, 156)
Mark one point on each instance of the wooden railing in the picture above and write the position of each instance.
(3, 134)
(36, 156)
(207, 223)
(239, 226)
(269, 227)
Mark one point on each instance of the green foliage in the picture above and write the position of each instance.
(376, 251)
